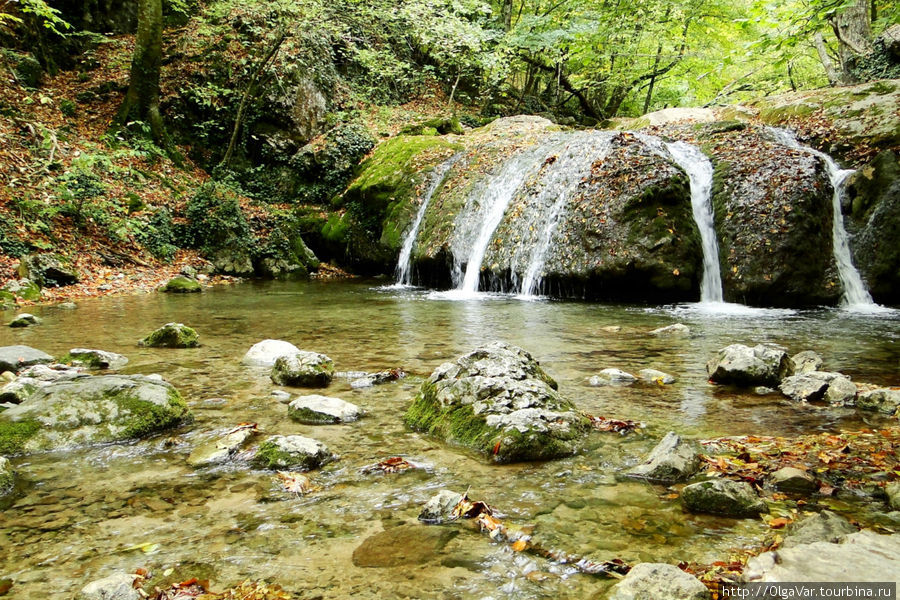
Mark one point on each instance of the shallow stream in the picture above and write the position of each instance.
(78, 516)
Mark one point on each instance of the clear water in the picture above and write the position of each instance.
(80, 515)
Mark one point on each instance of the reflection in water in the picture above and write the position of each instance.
(81, 515)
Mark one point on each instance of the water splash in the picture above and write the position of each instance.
(700, 172)
(855, 296)
(404, 266)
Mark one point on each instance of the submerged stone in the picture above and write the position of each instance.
(658, 581)
(320, 410)
(16, 358)
(676, 330)
(403, 545)
(172, 335)
(292, 452)
(723, 497)
(792, 480)
(439, 507)
(91, 410)
(266, 352)
(741, 365)
(656, 377)
(303, 369)
(119, 586)
(673, 459)
(825, 526)
(498, 401)
(220, 448)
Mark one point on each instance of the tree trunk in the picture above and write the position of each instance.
(506, 14)
(142, 99)
(835, 77)
(853, 29)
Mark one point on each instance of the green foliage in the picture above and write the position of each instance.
(157, 235)
(215, 219)
(325, 171)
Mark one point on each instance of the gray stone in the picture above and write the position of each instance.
(319, 410)
(656, 377)
(883, 400)
(676, 330)
(7, 476)
(172, 335)
(221, 448)
(91, 410)
(807, 362)
(439, 508)
(31, 379)
(115, 587)
(24, 320)
(813, 386)
(97, 359)
(723, 497)
(379, 378)
(893, 493)
(497, 400)
(617, 376)
(303, 369)
(673, 459)
(16, 358)
(658, 581)
(281, 396)
(762, 390)
(825, 526)
(741, 365)
(48, 270)
(860, 556)
(794, 481)
(292, 452)
(841, 391)
(67, 305)
(266, 352)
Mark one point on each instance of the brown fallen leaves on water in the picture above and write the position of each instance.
(194, 589)
(614, 425)
(394, 464)
(295, 483)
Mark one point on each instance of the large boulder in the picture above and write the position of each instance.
(824, 526)
(741, 365)
(723, 497)
(658, 581)
(96, 359)
(48, 270)
(497, 400)
(673, 459)
(182, 285)
(266, 352)
(7, 476)
(24, 289)
(322, 410)
(91, 410)
(16, 358)
(883, 400)
(292, 452)
(817, 386)
(172, 335)
(860, 556)
(119, 586)
(303, 369)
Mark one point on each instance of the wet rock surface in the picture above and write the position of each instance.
(266, 352)
(118, 586)
(31, 379)
(659, 582)
(497, 400)
(303, 369)
(818, 386)
(96, 359)
(221, 448)
(172, 335)
(320, 410)
(745, 366)
(723, 497)
(292, 452)
(792, 480)
(825, 526)
(883, 400)
(403, 545)
(673, 459)
(16, 358)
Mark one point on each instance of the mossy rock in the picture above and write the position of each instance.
(172, 335)
(303, 369)
(294, 452)
(499, 402)
(91, 410)
(723, 497)
(182, 285)
(7, 476)
(22, 288)
(48, 270)
(24, 320)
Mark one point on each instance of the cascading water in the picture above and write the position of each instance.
(855, 292)
(700, 172)
(560, 183)
(404, 271)
(493, 200)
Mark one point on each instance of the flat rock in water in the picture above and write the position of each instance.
(281, 396)
(656, 377)
(320, 410)
(723, 497)
(676, 330)
(497, 400)
(266, 352)
(24, 320)
(303, 369)
(673, 459)
(90, 410)
(617, 376)
(883, 400)
(118, 586)
(379, 378)
(16, 358)
(814, 386)
(97, 359)
(403, 545)
(284, 452)
(658, 581)
(860, 556)
(825, 526)
(807, 362)
(221, 448)
(745, 366)
(794, 481)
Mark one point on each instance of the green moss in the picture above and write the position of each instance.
(14, 435)
(182, 285)
(147, 417)
(172, 335)
(270, 455)
(310, 417)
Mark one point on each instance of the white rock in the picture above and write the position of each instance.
(316, 409)
(266, 352)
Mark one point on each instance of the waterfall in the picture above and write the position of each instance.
(404, 276)
(492, 202)
(700, 172)
(855, 292)
(560, 183)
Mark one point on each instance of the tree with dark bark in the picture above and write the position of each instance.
(142, 99)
